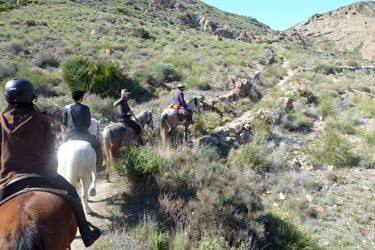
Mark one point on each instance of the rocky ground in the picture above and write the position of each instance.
(104, 206)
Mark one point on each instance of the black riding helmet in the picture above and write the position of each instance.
(19, 90)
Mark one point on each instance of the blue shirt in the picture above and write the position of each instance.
(178, 98)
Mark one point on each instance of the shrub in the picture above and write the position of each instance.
(45, 84)
(327, 106)
(138, 164)
(213, 243)
(77, 73)
(345, 124)
(7, 68)
(45, 61)
(283, 235)
(159, 241)
(198, 82)
(226, 205)
(327, 69)
(7, 6)
(157, 75)
(296, 121)
(109, 78)
(105, 79)
(141, 33)
(259, 157)
(332, 149)
(205, 123)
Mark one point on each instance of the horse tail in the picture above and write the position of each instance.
(164, 128)
(28, 238)
(107, 148)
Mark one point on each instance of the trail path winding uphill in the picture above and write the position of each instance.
(104, 206)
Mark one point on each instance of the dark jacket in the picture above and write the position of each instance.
(123, 110)
(179, 99)
(76, 119)
(27, 146)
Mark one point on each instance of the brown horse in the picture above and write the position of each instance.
(37, 220)
(116, 135)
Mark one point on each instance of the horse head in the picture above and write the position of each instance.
(146, 118)
(195, 103)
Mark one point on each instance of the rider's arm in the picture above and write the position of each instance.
(116, 103)
(182, 100)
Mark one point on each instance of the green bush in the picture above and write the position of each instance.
(159, 241)
(214, 243)
(259, 157)
(327, 69)
(45, 84)
(332, 148)
(105, 79)
(109, 78)
(296, 121)
(205, 123)
(198, 82)
(157, 75)
(226, 205)
(45, 61)
(283, 235)
(138, 164)
(7, 6)
(7, 68)
(327, 106)
(77, 73)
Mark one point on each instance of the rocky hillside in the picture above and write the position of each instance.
(349, 28)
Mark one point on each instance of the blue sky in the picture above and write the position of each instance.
(278, 14)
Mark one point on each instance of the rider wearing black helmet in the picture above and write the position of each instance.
(28, 147)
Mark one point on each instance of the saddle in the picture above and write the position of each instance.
(182, 113)
(29, 182)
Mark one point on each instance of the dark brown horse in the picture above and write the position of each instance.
(116, 135)
(37, 220)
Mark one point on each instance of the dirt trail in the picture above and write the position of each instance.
(104, 206)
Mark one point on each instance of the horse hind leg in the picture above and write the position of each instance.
(93, 184)
(85, 182)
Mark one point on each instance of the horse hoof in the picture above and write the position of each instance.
(92, 192)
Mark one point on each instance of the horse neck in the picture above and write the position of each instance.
(142, 118)
(192, 102)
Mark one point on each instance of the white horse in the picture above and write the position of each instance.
(77, 160)
(170, 120)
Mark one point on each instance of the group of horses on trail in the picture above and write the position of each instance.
(43, 219)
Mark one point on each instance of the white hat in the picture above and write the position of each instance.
(125, 92)
(180, 85)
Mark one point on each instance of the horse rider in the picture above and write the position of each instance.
(28, 156)
(124, 114)
(76, 122)
(178, 103)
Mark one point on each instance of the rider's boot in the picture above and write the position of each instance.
(88, 236)
(1, 194)
(189, 119)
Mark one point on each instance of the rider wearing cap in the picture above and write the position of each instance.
(124, 114)
(28, 151)
(179, 103)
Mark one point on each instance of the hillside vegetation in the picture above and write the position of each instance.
(282, 160)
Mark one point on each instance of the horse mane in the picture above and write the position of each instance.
(28, 238)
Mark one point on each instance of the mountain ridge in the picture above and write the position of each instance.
(348, 28)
